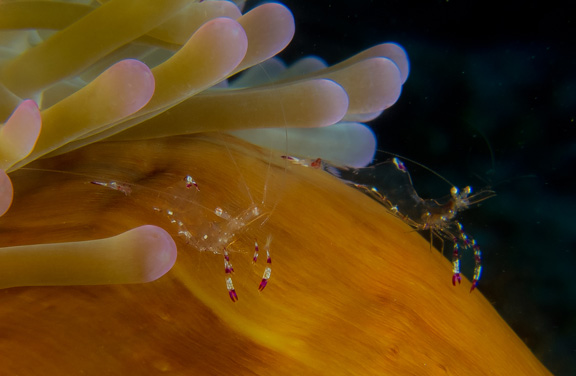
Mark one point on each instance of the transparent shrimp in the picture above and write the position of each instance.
(390, 184)
(225, 227)
(192, 214)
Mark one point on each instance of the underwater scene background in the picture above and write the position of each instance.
(490, 102)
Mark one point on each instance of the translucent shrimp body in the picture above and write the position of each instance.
(390, 184)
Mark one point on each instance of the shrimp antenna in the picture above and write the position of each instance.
(486, 180)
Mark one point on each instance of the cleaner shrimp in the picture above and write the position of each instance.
(390, 184)
(188, 205)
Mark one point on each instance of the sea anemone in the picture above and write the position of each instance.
(79, 63)
(354, 290)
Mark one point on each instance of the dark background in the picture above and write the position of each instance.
(490, 102)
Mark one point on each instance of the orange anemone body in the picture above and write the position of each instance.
(353, 289)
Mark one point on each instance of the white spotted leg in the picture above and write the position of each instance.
(268, 269)
(228, 269)
(456, 263)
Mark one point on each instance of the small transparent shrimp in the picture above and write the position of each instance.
(216, 234)
(217, 237)
(390, 184)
